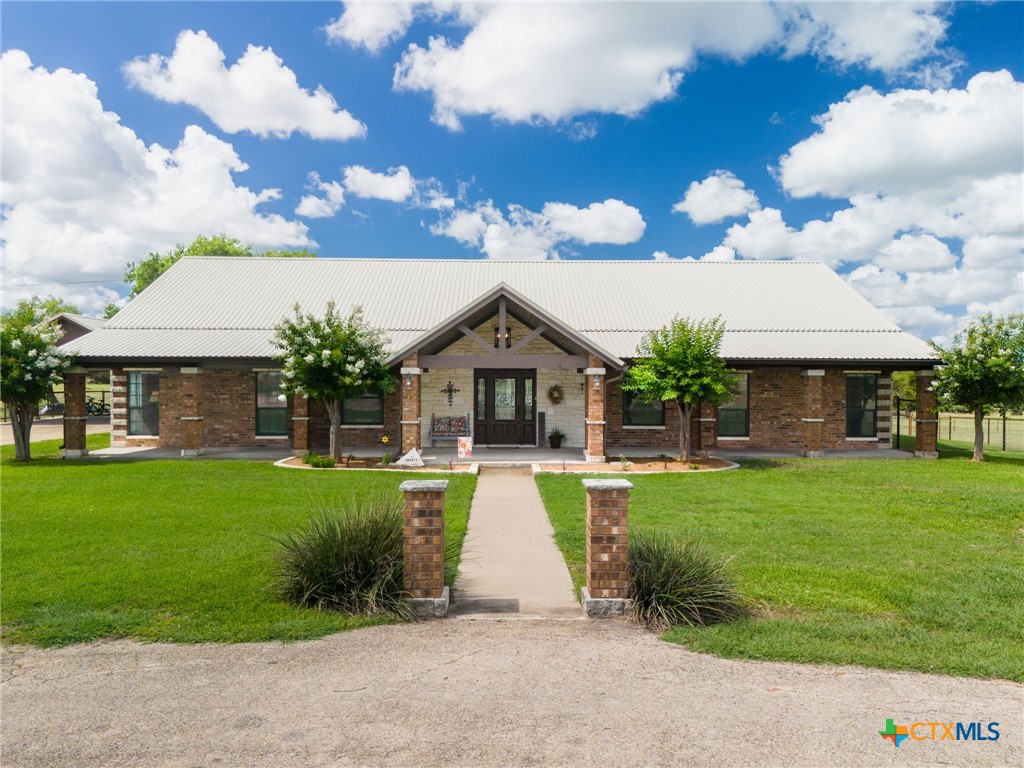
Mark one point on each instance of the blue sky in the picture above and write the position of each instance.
(886, 139)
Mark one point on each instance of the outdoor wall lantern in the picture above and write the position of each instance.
(498, 337)
(597, 382)
(408, 381)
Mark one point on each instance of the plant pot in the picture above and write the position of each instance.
(555, 441)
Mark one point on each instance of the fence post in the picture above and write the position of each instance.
(1004, 430)
(898, 422)
(607, 548)
(423, 547)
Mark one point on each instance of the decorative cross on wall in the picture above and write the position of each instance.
(450, 390)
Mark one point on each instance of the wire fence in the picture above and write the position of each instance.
(1002, 432)
(97, 403)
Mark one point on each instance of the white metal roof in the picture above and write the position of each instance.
(211, 307)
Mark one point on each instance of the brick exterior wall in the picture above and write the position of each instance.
(358, 437)
(777, 402)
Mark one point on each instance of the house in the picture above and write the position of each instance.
(75, 326)
(516, 349)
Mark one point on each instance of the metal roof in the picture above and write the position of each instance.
(211, 307)
(83, 321)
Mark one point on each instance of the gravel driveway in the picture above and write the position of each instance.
(476, 693)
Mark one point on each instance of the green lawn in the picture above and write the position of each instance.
(165, 550)
(895, 564)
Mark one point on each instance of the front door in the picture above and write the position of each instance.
(506, 408)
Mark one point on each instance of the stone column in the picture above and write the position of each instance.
(814, 412)
(423, 547)
(118, 408)
(74, 413)
(926, 442)
(300, 425)
(606, 593)
(410, 384)
(593, 386)
(191, 421)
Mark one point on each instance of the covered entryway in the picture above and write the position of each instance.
(506, 407)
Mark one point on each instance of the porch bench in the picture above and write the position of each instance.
(448, 428)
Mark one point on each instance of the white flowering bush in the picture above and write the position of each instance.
(332, 359)
(983, 370)
(30, 363)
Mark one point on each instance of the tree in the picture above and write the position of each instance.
(29, 363)
(680, 363)
(110, 310)
(983, 370)
(51, 306)
(140, 275)
(332, 359)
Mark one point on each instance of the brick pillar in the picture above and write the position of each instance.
(593, 386)
(423, 547)
(191, 420)
(926, 442)
(74, 413)
(606, 592)
(884, 403)
(410, 384)
(118, 408)
(708, 429)
(300, 425)
(814, 412)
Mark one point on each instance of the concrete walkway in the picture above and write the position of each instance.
(510, 564)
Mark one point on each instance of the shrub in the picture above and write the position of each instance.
(318, 461)
(350, 559)
(679, 581)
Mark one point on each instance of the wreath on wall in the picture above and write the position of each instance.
(555, 394)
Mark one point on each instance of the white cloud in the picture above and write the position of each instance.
(921, 253)
(533, 62)
(396, 185)
(83, 195)
(313, 207)
(661, 256)
(908, 140)
(995, 251)
(530, 236)
(258, 93)
(611, 222)
(720, 196)
(719, 253)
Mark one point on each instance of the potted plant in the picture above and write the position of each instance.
(555, 437)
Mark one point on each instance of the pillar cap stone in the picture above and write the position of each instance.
(412, 486)
(607, 485)
(926, 374)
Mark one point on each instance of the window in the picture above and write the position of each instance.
(144, 403)
(367, 410)
(734, 416)
(271, 406)
(861, 405)
(637, 413)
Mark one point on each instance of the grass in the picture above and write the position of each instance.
(176, 551)
(894, 564)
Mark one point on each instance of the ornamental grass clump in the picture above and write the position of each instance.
(679, 582)
(346, 560)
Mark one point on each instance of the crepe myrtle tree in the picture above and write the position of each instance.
(983, 370)
(680, 363)
(332, 359)
(29, 364)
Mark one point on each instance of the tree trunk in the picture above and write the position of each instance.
(979, 435)
(684, 430)
(22, 416)
(334, 412)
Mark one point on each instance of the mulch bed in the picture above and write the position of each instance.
(643, 464)
(368, 463)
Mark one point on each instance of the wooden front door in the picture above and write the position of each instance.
(506, 407)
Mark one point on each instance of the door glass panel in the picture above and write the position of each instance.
(528, 399)
(481, 399)
(504, 399)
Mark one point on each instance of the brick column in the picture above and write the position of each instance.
(118, 408)
(300, 425)
(606, 592)
(884, 404)
(191, 421)
(814, 412)
(410, 384)
(423, 547)
(593, 386)
(74, 413)
(926, 442)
